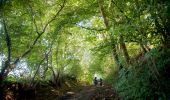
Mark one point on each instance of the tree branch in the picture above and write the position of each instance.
(120, 10)
(106, 22)
(33, 18)
(93, 29)
(54, 17)
(40, 34)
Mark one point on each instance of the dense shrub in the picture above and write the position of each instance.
(148, 78)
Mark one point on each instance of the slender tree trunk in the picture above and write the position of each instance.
(52, 69)
(5, 69)
(124, 49)
(36, 72)
(38, 67)
(115, 55)
(112, 44)
(45, 70)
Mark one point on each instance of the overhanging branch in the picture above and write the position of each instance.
(93, 29)
(41, 33)
(33, 18)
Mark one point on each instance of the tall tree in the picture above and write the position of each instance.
(113, 43)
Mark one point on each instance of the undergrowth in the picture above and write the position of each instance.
(146, 78)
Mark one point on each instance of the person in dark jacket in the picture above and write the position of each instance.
(95, 81)
(101, 82)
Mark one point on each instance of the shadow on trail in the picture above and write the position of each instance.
(92, 93)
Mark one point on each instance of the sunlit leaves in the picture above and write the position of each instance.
(77, 34)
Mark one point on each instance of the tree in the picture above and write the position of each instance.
(113, 45)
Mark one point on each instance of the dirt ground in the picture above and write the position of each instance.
(13, 91)
(92, 93)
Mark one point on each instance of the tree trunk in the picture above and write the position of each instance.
(112, 44)
(53, 72)
(5, 69)
(45, 70)
(115, 55)
(124, 49)
(36, 72)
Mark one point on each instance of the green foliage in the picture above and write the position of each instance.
(10, 79)
(69, 37)
(147, 79)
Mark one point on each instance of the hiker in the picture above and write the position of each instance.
(95, 81)
(101, 82)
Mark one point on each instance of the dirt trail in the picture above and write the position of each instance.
(46, 92)
(92, 93)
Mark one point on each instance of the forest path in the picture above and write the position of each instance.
(92, 93)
